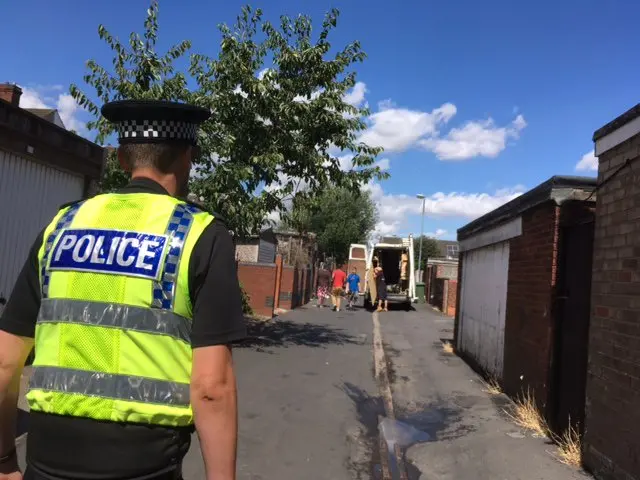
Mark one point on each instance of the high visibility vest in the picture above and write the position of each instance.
(112, 338)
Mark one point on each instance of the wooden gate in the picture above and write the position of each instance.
(572, 312)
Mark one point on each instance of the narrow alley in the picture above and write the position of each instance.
(309, 404)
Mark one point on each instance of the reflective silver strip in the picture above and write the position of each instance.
(115, 315)
(112, 386)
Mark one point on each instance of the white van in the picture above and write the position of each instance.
(395, 256)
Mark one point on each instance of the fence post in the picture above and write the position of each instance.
(276, 297)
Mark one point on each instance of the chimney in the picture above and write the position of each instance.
(10, 93)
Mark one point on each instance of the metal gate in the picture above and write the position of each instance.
(572, 324)
(30, 194)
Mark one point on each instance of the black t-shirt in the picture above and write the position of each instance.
(69, 447)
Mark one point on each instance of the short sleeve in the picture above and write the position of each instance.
(215, 290)
(21, 312)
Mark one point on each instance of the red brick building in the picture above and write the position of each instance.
(523, 294)
(441, 283)
(612, 437)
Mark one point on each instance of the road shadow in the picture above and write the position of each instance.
(368, 409)
(286, 333)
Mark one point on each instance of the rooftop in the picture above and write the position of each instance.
(558, 188)
(616, 123)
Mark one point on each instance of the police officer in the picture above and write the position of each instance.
(133, 301)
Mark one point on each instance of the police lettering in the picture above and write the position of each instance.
(109, 251)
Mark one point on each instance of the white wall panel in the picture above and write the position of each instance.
(30, 194)
(483, 305)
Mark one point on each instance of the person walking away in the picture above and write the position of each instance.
(133, 300)
(353, 287)
(339, 278)
(324, 282)
(381, 287)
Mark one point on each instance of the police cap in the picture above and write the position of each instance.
(151, 121)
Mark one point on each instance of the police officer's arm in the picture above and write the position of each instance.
(217, 322)
(17, 328)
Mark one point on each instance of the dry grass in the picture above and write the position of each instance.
(526, 415)
(570, 448)
(492, 387)
(447, 347)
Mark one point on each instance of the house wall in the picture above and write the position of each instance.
(30, 195)
(529, 318)
(259, 281)
(612, 436)
(247, 252)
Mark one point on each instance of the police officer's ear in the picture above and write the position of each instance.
(124, 164)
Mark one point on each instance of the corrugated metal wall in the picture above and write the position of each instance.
(483, 303)
(30, 194)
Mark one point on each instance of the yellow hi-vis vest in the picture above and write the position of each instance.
(113, 333)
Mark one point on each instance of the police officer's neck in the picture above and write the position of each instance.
(167, 180)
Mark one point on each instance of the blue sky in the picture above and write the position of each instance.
(475, 102)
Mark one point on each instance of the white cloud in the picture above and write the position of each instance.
(31, 99)
(398, 129)
(262, 73)
(68, 109)
(588, 162)
(437, 234)
(64, 103)
(477, 138)
(393, 209)
(384, 164)
(356, 96)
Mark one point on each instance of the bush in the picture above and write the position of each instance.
(246, 306)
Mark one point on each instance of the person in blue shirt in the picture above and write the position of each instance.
(353, 287)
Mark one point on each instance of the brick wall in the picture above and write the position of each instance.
(287, 287)
(259, 279)
(529, 321)
(612, 436)
(452, 293)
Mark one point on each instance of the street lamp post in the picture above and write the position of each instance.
(421, 197)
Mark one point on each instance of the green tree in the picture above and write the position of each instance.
(272, 130)
(429, 250)
(338, 217)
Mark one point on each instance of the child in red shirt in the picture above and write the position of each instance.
(339, 279)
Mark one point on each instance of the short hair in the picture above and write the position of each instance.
(160, 156)
(374, 263)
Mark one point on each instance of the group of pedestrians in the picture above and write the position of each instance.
(336, 285)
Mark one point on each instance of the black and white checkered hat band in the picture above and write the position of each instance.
(157, 129)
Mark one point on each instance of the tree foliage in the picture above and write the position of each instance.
(274, 132)
(339, 217)
(430, 249)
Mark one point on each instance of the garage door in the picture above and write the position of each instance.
(30, 194)
(483, 305)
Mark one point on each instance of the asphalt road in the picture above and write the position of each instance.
(307, 399)
(309, 405)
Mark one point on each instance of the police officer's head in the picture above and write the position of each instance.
(157, 139)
